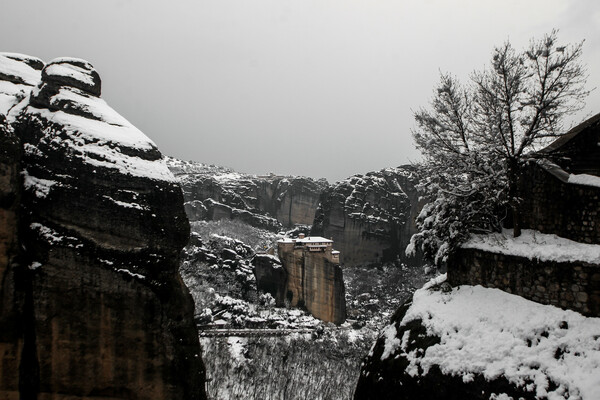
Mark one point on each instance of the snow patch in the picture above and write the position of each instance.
(99, 143)
(391, 341)
(133, 274)
(236, 347)
(125, 204)
(40, 187)
(492, 333)
(28, 75)
(535, 245)
(70, 71)
(35, 265)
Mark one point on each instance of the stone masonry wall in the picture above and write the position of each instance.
(551, 205)
(574, 286)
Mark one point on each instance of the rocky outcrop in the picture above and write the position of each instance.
(386, 376)
(270, 277)
(269, 202)
(472, 342)
(370, 217)
(92, 304)
(314, 282)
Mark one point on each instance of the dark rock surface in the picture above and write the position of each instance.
(269, 202)
(270, 277)
(370, 217)
(92, 304)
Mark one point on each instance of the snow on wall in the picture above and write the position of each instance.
(568, 207)
(535, 245)
(543, 268)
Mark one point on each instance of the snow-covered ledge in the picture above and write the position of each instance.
(536, 245)
(541, 267)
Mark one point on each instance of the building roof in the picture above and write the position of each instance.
(567, 137)
(307, 240)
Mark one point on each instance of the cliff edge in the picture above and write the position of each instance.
(91, 302)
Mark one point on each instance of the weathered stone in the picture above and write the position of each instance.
(268, 201)
(582, 297)
(370, 217)
(98, 307)
(314, 281)
(271, 277)
(546, 282)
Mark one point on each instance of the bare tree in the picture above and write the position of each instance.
(476, 138)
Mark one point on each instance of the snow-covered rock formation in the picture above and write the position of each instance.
(268, 202)
(92, 301)
(370, 217)
(473, 342)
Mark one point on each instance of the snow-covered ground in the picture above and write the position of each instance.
(554, 353)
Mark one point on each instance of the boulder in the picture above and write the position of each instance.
(270, 277)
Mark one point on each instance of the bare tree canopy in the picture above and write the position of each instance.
(476, 137)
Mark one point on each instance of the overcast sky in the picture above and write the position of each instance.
(324, 88)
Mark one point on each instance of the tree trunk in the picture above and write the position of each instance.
(513, 195)
(516, 215)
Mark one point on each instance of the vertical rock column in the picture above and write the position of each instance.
(103, 310)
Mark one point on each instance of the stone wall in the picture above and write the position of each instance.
(551, 205)
(574, 286)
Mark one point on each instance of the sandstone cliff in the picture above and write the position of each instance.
(370, 217)
(91, 302)
(314, 282)
(269, 202)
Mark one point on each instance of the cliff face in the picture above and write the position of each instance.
(316, 283)
(370, 217)
(269, 202)
(92, 302)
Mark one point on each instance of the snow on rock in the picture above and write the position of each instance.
(73, 72)
(236, 347)
(15, 69)
(535, 245)
(38, 186)
(492, 333)
(18, 74)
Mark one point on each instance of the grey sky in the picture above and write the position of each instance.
(323, 88)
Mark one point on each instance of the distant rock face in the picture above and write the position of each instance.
(270, 202)
(370, 217)
(92, 304)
